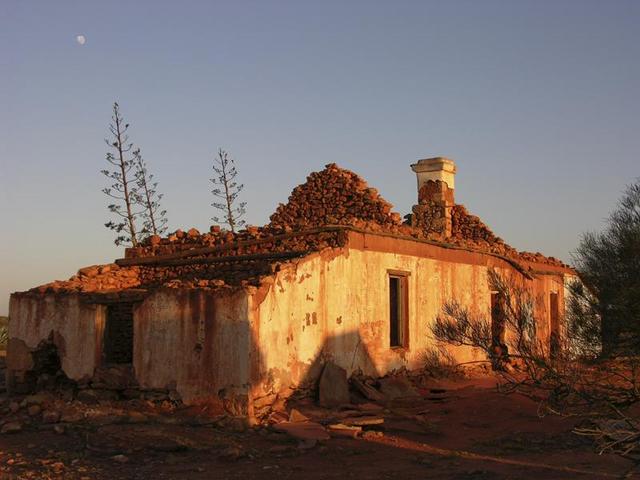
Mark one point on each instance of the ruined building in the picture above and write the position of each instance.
(239, 319)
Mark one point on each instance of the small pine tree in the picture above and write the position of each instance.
(154, 217)
(227, 190)
(123, 189)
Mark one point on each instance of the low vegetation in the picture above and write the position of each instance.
(592, 370)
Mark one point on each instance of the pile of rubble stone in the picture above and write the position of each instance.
(334, 196)
(538, 257)
(182, 241)
(235, 259)
(96, 278)
(470, 230)
(339, 406)
(109, 424)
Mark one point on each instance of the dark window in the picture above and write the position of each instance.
(499, 350)
(118, 333)
(398, 310)
(554, 324)
(497, 320)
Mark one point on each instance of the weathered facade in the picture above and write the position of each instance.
(238, 318)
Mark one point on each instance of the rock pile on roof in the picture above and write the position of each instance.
(213, 260)
(219, 258)
(538, 257)
(471, 230)
(334, 196)
(96, 278)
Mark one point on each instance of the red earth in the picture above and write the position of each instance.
(467, 430)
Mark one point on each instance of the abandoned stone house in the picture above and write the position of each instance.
(238, 318)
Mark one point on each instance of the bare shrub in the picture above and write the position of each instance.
(583, 326)
(569, 381)
(439, 363)
(457, 326)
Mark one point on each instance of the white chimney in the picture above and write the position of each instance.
(436, 183)
(437, 168)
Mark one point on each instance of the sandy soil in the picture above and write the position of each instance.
(468, 431)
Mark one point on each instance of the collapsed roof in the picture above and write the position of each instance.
(316, 216)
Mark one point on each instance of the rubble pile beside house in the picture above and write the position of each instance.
(339, 408)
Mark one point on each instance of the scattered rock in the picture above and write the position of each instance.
(11, 427)
(342, 430)
(131, 393)
(333, 388)
(34, 410)
(372, 435)
(235, 424)
(100, 418)
(90, 271)
(367, 390)
(232, 453)
(296, 416)
(50, 416)
(14, 407)
(397, 387)
(370, 407)
(118, 377)
(307, 444)
(169, 444)
(72, 417)
(120, 458)
(88, 396)
(174, 396)
(363, 421)
(281, 450)
(37, 399)
(137, 417)
(278, 417)
(59, 429)
(265, 401)
(303, 430)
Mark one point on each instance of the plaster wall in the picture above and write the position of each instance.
(74, 327)
(196, 341)
(335, 304)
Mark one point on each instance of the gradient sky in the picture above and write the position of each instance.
(538, 102)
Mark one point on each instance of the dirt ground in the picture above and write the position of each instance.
(457, 430)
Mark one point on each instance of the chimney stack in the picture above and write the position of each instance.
(436, 183)
(437, 168)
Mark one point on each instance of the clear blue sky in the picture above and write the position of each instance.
(537, 101)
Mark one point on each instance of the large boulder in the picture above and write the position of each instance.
(397, 387)
(333, 387)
